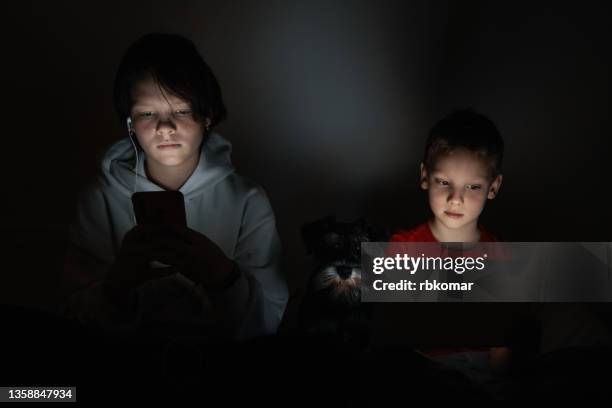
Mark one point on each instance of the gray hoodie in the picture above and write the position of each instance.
(230, 210)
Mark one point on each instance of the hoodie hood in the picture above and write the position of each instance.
(119, 162)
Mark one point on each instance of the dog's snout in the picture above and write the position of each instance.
(344, 271)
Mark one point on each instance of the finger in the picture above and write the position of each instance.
(172, 253)
(172, 246)
(141, 232)
(182, 232)
(144, 228)
(144, 244)
(167, 233)
(162, 272)
(140, 248)
(172, 259)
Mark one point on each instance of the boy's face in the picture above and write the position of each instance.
(164, 125)
(458, 188)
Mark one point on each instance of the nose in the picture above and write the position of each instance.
(455, 197)
(165, 125)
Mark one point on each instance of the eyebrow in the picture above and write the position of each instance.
(480, 180)
(143, 104)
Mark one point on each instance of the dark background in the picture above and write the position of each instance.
(329, 105)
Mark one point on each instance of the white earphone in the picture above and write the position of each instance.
(128, 121)
(132, 133)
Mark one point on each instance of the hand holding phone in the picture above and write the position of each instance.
(159, 208)
(140, 246)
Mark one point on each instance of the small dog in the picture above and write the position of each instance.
(332, 304)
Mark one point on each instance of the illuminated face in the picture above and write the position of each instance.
(458, 188)
(164, 126)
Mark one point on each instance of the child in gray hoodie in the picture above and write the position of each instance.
(224, 275)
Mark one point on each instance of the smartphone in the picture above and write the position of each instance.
(159, 207)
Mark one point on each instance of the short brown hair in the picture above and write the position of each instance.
(468, 130)
(176, 66)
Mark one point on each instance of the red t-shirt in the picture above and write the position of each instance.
(423, 233)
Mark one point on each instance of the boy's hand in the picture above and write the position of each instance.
(132, 266)
(188, 251)
(196, 256)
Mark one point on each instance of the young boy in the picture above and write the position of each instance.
(461, 170)
(224, 278)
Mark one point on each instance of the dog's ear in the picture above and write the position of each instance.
(378, 233)
(374, 233)
(313, 232)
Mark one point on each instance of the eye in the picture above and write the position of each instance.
(145, 115)
(473, 186)
(441, 182)
(183, 112)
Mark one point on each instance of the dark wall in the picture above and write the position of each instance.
(329, 105)
(542, 72)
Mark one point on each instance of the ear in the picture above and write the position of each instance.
(209, 118)
(424, 177)
(207, 122)
(494, 187)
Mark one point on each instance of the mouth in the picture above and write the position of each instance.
(453, 215)
(169, 146)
